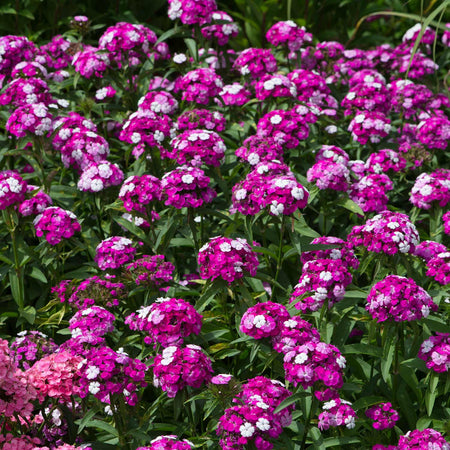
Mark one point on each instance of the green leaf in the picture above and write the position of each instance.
(17, 288)
(102, 426)
(192, 47)
(388, 357)
(38, 275)
(131, 227)
(430, 395)
(362, 349)
(364, 402)
(28, 313)
(351, 206)
(178, 32)
(291, 400)
(340, 441)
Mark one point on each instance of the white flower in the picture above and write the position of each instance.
(135, 138)
(263, 424)
(253, 158)
(276, 208)
(187, 178)
(247, 429)
(427, 346)
(329, 405)
(350, 422)
(240, 194)
(341, 362)
(325, 275)
(259, 321)
(92, 372)
(298, 193)
(225, 247)
(94, 387)
(276, 119)
(179, 58)
(301, 358)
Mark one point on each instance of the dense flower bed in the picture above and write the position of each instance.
(222, 248)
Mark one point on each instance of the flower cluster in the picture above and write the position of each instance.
(15, 49)
(383, 415)
(191, 12)
(385, 160)
(127, 41)
(199, 85)
(35, 204)
(363, 97)
(146, 128)
(255, 62)
(429, 249)
(158, 102)
(196, 147)
(387, 232)
(274, 86)
(229, 259)
(16, 393)
(21, 92)
(288, 33)
(256, 149)
(168, 442)
(438, 267)
(369, 192)
(435, 351)
(264, 320)
(56, 224)
(315, 362)
(91, 291)
(335, 413)
(178, 367)
(329, 175)
(294, 332)
(234, 95)
(253, 420)
(167, 321)
(34, 118)
(434, 132)
(91, 324)
(100, 175)
(269, 185)
(419, 439)
(369, 126)
(29, 346)
(114, 252)
(105, 372)
(431, 189)
(325, 279)
(186, 186)
(221, 31)
(286, 127)
(80, 148)
(12, 188)
(399, 299)
(201, 119)
(137, 192)
(57, 376)
(90, 61)
(341, 251)
(151, 271)
(446, 220)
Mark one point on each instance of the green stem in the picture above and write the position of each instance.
(312, 409)
(193, 227)
(435, 222)
(279, 255)
(9, 221)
